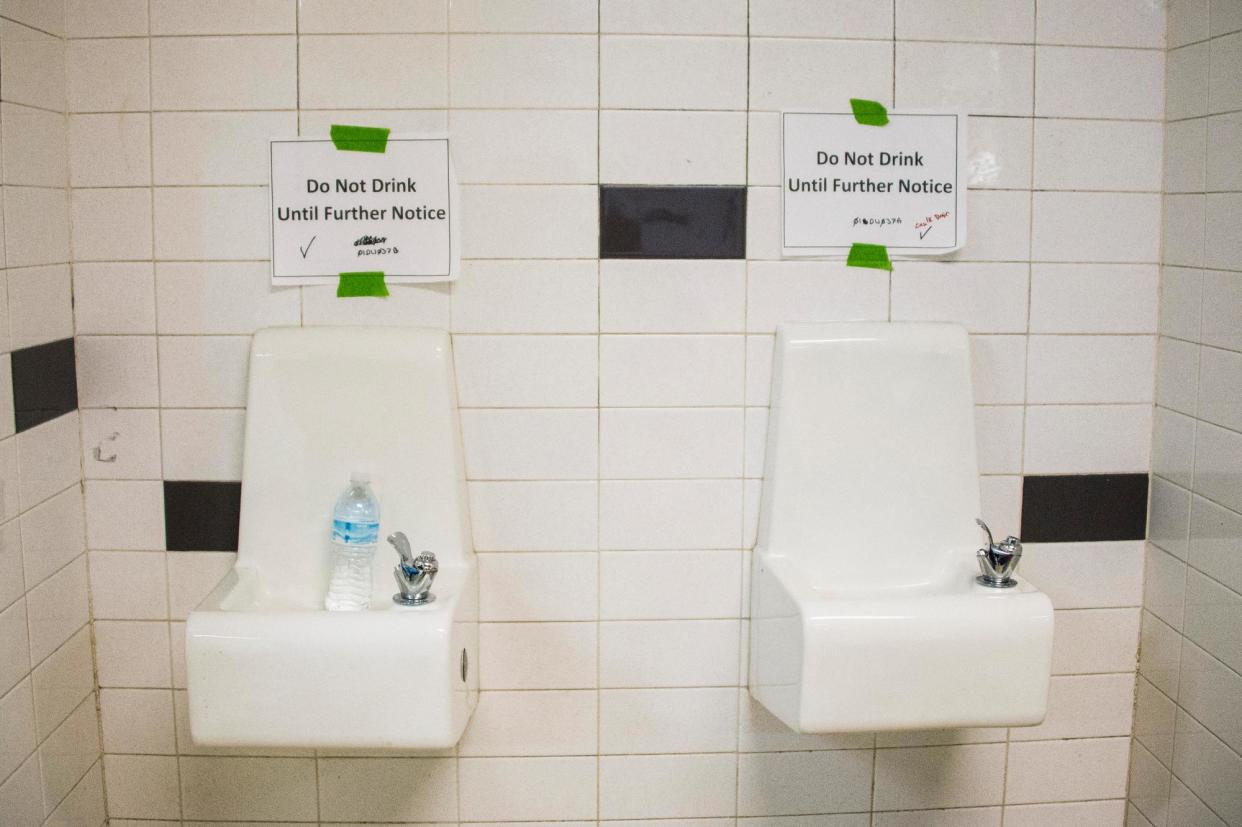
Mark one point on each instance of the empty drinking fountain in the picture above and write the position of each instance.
(413, 574)
(998, 561)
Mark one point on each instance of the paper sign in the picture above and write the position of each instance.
(896, 185)
(392, 212)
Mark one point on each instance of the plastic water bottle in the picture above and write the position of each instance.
(355, 531)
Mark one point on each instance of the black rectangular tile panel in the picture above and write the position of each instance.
(45, 383)
(1084, 508)
(201, 516)
(672, 222)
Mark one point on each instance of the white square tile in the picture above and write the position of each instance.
(514, 222)
(1136, 24)
(1215, 535)
(538, 586)
(1096, 641)
(124, 515)
(647, 721)
(1208, 768)
(1186, 82)
(672, 73)
(40, 305)
(132, 654)
(248, 788)
(1181, 302)
(792, 783)
(998, 153)
(558, 722)
(1224, 17)
(1098, 155)
(656, 443)
(1094, 83)
(17, 726)
(120, 18)
(1212, 692)
(1169, 517)
(211, 223)
(952, 776)
(1164, 586)
(224, 72)
(1153, 720)
(833, 18)
(986, 298)
(380, 789)
(1218, 465)
(112, 150)
(691, 585)
(222, 16)
(1186, 155)
(113, 297)
(1222, 310)
(526, 371)
(329, 16)
(818, 75)
(947, 76)
(668, 653)
(138, 721)
(689, 296)
(534, 516)
(1125, 227)
(202, 148)
(1187, 22)
(1223, 212)
(756, 439)
(62, 681)
(1067, 770)
(670, 514)
(406, 70)
(1094, 298)
(47, 459)
(1087, 575)
(998, 433)
(998, 369)
(1087, 439)
(699, 148)
(67, 753)
(128, 443)
(1084, 706)
(202, 445)
(36, 226)
(540, 147)
(526, 297)
(1223, 143)
(530, 444)
(537, 655)
(656, 17)
(203, 371)
(56, 609)
(1173, 447)
(1000, 227)
(1184, 229)
(966, 20)
(806, 291)
(53, 533)
(407, 305)
(12, 584)
(1074, 369)
(221, 297)
(1224, 71)
(142, 786)
(14, 645)
(671, 370)
(524, 71)
(191, 577)
(33, 65)
(35, 147)
(45, 15)
(108, 75)
(527, 788)
(1177, 375)
(111, 224)
(667, 786)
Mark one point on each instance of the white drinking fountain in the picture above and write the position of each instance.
(266, 664)
(877, 601)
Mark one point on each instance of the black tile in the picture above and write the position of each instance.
(1084, 508)
(45, 383)
(672, 222)
(201, 516)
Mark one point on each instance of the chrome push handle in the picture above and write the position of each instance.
(998, 561)
(414, 574)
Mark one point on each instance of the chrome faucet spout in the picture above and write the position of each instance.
(414, 575)
(998, 561)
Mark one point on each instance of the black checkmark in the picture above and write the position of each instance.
(308, 246)
(925, 232)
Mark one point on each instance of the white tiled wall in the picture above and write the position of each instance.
(613, 411)
(50, 755)
(1186, 763)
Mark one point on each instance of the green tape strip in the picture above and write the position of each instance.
(360, 138)
(874, 256)
(361, 284)
(867, 113)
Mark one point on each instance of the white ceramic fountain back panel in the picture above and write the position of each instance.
(871, 480)
(324, 402)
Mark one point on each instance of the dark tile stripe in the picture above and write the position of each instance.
(45, 383)
(1084, 508)
(672, 222)
(201, 516)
